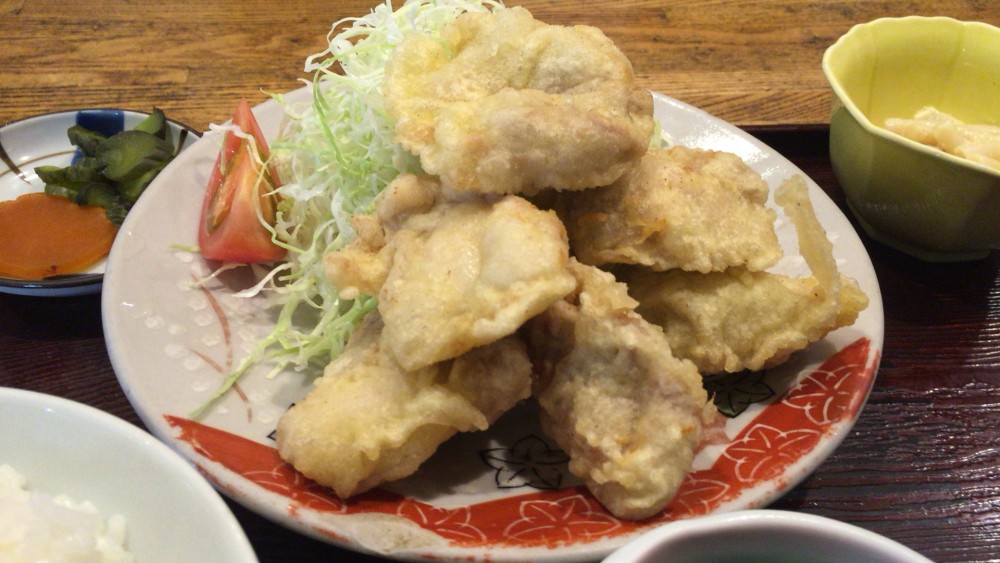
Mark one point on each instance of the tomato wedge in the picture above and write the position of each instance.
(230, 229)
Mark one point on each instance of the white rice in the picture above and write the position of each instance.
(38, 527)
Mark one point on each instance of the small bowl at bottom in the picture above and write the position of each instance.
(763, 535)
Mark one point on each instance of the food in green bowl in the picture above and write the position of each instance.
(910, 195)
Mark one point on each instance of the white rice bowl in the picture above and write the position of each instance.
(36, 526)
(86, 472)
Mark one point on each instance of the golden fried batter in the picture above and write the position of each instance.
(503, 103)
(497, 106)
(736, 320)
(680, 208)
(368, 421)
(628, 413)
(455, 273)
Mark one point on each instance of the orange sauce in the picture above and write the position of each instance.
(43, 235)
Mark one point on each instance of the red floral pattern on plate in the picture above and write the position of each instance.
(455, 524)
(760, 455)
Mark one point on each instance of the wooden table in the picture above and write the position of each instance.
(923, 463)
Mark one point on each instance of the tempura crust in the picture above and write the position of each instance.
(456, 273)
(368, 421)
(741, 320)
(681, 207)
(628, 413)
(503, 103)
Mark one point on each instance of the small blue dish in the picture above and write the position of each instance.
(42, 140)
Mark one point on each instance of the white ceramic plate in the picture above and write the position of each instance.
(42, 141)
(499, 495)
(66, 448)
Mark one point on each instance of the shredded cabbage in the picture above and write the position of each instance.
(333, 157)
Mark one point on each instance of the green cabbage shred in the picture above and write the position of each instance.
(334, 156)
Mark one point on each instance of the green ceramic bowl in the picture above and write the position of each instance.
(915, 198)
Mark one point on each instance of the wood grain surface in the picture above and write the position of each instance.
(922, 465)
(750, 62)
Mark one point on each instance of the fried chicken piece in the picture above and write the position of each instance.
(360, 268)
(455, 272)
(368, 421)
(736, 320)
(679, 208)
(626, 411)
(503, 103)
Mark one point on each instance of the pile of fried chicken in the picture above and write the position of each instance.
(551, 250)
